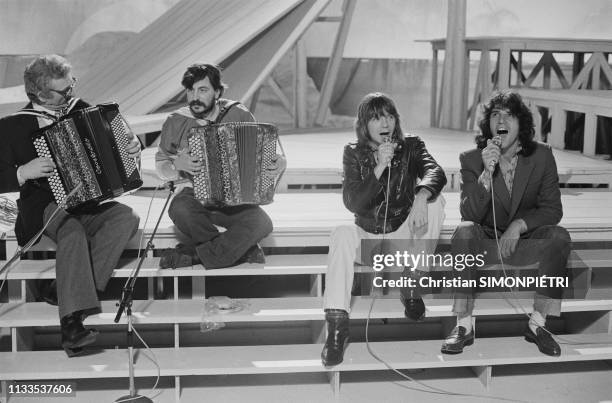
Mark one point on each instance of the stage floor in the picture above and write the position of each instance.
(316, 158)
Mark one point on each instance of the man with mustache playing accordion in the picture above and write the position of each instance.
(91, 238)
(245, 224)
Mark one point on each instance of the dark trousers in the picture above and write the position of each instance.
(89, 245)
(548, 245)
(245, 226)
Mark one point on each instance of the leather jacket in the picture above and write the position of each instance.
(412, 168)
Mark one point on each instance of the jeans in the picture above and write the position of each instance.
(245, 226)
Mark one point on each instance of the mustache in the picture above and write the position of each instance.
(196, 102)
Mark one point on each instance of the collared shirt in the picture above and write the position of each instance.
(508, 170)
(44, 121)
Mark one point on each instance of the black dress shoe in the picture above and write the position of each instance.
(545, 342)
(74, 335)
(253, 255)
(337, 337)
(456, 340)
(181, 256)
(48, 291)
(414, 307)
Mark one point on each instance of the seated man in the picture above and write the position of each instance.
(245, 225)
(393, 186)
(90, 239)
(527, 204)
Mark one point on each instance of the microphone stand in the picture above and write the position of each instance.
(126, 304)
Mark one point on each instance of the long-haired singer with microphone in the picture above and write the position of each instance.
(392, 185)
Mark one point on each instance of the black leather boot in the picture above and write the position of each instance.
(74, 335)
(414, 307)
(337, 337)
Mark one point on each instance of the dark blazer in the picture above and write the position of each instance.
(17, 149)
(412, 168)
(535, 198)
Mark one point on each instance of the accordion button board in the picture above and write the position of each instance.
(235, 158)
(89, 148)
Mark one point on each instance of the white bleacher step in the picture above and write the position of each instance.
(275, 265)
(269, 359)
(26, 314)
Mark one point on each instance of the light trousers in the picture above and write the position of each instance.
(346, 244)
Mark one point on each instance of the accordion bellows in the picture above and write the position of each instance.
(235, 157)
(88, 147)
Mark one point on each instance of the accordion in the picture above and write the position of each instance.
(88, 147)
(235, 158)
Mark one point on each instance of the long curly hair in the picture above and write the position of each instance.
(373, 106)
(513, 102)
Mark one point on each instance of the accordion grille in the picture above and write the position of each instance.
(235, 158)
(120, 131)
(55, 183)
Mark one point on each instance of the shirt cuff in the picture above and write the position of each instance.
(20, 177)
(485, 180)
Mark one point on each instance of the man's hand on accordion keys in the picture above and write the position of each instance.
(133, 148)
(40, 167)
(187, 163)
(278, 166)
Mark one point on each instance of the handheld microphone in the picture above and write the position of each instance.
(497, 141)
(387, 139)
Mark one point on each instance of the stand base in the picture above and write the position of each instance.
(134, 399)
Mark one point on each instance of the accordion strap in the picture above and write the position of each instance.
(224, 109)
(44, 114)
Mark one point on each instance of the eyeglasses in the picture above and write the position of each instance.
(66, 92)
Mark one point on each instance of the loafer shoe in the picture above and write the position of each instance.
(545, 342)
(456, 340)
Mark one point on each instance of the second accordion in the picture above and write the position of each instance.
(88, 147)
(235, 158)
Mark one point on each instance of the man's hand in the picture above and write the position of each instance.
(133, 148)
(509, 239)
(384, 155)
(490, 155)
(185, 162)
(37, 168)
(417, 217)
(279, 163)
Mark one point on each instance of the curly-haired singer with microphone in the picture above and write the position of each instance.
(524, 202)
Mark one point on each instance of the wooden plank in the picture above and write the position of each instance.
(312, 264)
(557, 131)
(333, 66)
(584, 212)
(590, 134)
(247, 69)
(27, 314)
(293, 358)
(202, 34)
(300, 85)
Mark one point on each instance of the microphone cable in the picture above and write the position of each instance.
(20, 251)
(520, 309)
(429, 388)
